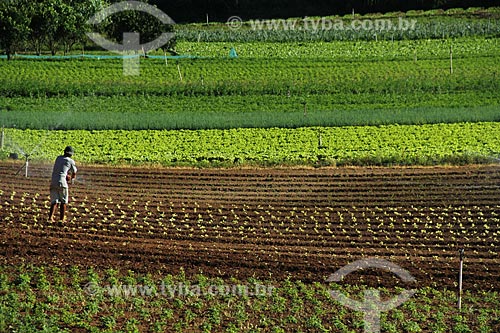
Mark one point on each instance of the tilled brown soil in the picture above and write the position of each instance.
(264, 223)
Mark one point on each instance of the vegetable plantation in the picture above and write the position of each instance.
(286, 229)
(459, 143)
(347, 29)
(269, 85)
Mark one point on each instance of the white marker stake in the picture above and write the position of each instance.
(451, 59)
(461, 251)
(2, 139)
(179, 70)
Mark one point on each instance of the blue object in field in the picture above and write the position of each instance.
(232, 53)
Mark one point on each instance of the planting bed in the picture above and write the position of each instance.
(266, 223)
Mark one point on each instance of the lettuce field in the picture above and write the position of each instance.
(221, 194)
(460, 143)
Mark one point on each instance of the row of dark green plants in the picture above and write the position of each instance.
(54, 299)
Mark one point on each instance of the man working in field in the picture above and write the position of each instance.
(64, 171)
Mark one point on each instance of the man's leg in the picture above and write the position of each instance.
(62, 211)
(54, 199)
(53, 208)
(64, 203)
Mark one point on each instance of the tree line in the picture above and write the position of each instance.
(59, 25)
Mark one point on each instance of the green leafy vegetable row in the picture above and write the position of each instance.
(370, 145)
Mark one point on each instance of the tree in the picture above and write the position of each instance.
(14, 25)
(53, 23)
(45, 18)
(148, 27)
(60, 23)
(73, 24)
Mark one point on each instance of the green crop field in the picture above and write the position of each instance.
(72, 299)
(459, 143)
(270, 85)
(433, 24)
(312, 87)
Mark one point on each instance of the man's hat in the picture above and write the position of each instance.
(69, 150)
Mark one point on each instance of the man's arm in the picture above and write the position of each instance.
(74, 170)
(70, 176)
(71, 173)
